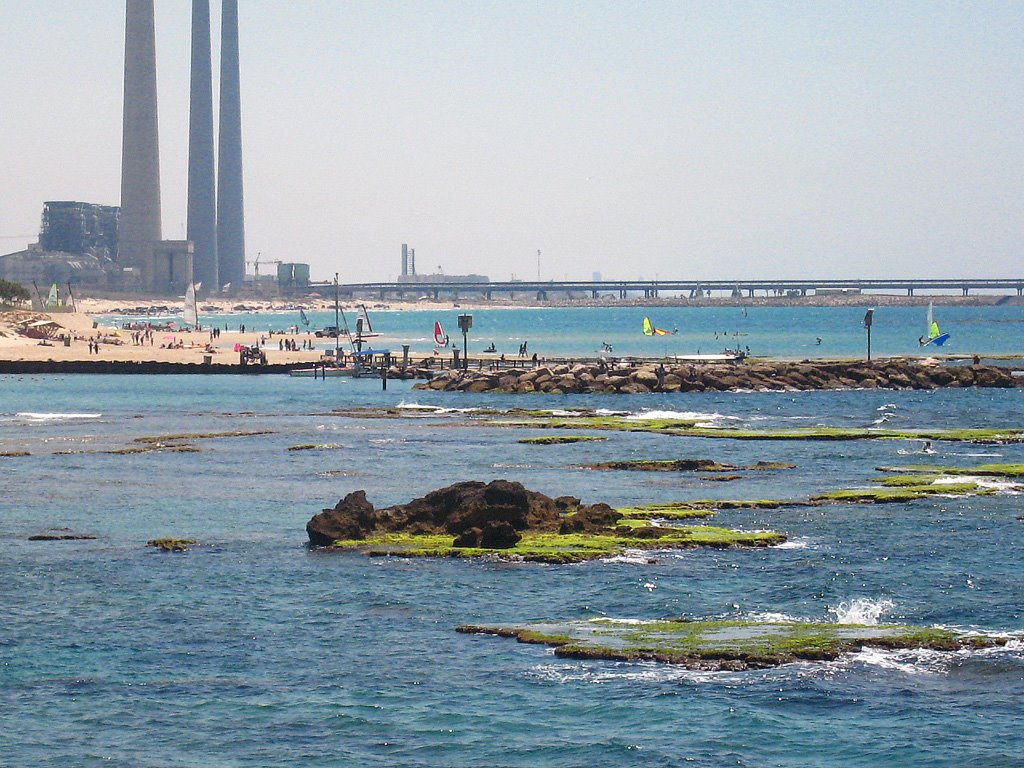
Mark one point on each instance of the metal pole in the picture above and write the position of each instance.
(465, 351)
(337, 324)
(869, 343)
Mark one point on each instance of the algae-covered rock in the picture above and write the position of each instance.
(726, 645)
(505, 519)
(171, 544)
(664, 465)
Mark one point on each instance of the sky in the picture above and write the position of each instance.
(683, 140)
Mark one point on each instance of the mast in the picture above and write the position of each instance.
(337, 324)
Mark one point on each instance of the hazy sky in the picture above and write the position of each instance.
(682, 139)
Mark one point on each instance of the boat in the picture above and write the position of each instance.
(935, 336)
(651, 330)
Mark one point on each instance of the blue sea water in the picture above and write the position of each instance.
(767, 331)
(253, 650)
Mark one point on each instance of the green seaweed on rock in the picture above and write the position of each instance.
(732, 645)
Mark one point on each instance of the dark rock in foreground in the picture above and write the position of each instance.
(489, 515)
(719, 377)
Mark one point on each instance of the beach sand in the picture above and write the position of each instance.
(82, 328)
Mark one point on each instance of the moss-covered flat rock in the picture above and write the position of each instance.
(982, 470)
(186, 436)
(900, 494)
(726, 645)
(682, 510)
(560, 439)
(566, 548)
(583, 418)
(171, 544)
(663, 465)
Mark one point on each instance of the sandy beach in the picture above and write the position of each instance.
(117, 344)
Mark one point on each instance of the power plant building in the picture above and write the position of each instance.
(122, 247)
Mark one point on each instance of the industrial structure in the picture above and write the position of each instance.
(202, 196)
(77, 244)
(121, 248)
(230, 210)
(409, 274)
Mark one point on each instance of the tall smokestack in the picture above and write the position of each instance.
(139, 227)
(405, 259)
(202, 199)
(230, 210)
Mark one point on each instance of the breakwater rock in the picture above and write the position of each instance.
(718, 377)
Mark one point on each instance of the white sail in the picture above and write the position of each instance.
(53, 300)
(931, 319)
(191, 311)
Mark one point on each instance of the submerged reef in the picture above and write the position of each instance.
(726, 645)
(504, 519)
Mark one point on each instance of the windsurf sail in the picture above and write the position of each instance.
(650, 330)
(440, 337)
(366, 316)
(935, 336)
(303, 318)
(191, 311)
(53, 300)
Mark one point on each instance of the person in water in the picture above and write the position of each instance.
(927, 448)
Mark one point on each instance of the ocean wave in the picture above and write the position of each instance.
(861, 610)
(432, 409)
(44, 416)
(703, 419)
(631, 556)
(793, 544)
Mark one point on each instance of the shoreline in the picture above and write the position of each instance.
(103, 306)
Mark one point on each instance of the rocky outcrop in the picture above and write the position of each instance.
(722, 377)
(490, 515)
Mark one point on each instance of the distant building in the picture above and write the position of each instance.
(77, 244)
(408, 274)
(292, 275)
(79, 228)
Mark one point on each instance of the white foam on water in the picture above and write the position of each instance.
(631, 622)
(631, 556)
(681, 416)
(44, 417)
(416, 406)
(627, 672)
(886, 407)
(983, 481)
(609, 412)
(793, 544)
(773, 617)
(861, 610)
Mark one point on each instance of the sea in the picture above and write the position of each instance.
(251, 649)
